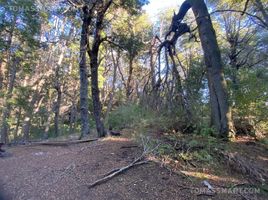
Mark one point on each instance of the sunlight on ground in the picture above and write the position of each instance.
(263, 158)
(117, 139)
(202, 175)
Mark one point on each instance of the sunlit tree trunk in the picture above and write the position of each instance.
(111, 95)
(220, 111)
(1, 74)
(129, 78)
(18, 116)
(58, 88)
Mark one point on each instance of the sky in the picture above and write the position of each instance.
(156, 5)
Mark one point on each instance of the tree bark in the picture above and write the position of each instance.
(1, 74)
(18, 116)
(129, 79)
(47, 126)
(111, 95)
(94, 66)
(57, 111)
(84, 106)
(72, 119)
(220, 111)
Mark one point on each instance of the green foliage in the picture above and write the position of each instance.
(135, 115)
(207, 131)
(203, 156)
(126, 116)
(166, 149)
(251, 96)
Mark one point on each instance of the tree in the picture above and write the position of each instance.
(220, 112)
(22, 26)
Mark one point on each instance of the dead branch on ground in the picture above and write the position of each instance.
(138, 161)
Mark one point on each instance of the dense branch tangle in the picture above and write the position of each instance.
(220, 113)
(169, 45)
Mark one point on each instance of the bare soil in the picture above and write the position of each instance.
(34, 172)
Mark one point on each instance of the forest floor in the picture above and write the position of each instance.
(36, 172)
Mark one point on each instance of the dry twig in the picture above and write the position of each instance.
(138, 161)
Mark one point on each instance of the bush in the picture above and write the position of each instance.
(130, 115)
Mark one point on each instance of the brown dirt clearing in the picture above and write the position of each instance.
(45, 172)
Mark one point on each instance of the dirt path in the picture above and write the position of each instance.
(45, 172)
(41, 172)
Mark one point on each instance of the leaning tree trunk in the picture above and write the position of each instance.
(220, 112)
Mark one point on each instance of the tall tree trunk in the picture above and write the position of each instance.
(47, 126)
(59, 94)
(129, 79)
(152, 53)
(111, 95)
(94, 66)
(179, 89)
(220, 111)
(57, 112)
(72, 119)
(7, 106)
(84, 106)
(18, 116)
(96, 95)
(1, 74)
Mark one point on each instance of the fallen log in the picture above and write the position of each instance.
(63, 143)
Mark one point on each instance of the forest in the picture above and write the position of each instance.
(93, 92)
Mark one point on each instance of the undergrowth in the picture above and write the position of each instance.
(195, 147)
